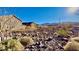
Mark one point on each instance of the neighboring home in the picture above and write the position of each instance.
(30, 25)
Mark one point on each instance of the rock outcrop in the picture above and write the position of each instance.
(9, 22)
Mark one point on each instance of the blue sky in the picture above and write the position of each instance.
(42, 14)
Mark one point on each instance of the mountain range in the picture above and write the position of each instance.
(54, 24)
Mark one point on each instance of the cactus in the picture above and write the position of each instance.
(2, 47)
(11, 45)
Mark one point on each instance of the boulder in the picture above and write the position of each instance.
(72, 45)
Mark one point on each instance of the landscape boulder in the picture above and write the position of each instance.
(72, 45)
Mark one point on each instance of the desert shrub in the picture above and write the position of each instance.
(62, 32)
(27, 41)
(2, 47)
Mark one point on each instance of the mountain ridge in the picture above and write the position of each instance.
(52, 24)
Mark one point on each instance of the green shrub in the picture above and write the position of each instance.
(62, 32)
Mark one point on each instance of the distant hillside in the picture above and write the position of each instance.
(49, 24)
(72, 23)
(54, 24)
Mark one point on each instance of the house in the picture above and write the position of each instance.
(30, 25)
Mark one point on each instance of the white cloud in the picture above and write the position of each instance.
(72, 10)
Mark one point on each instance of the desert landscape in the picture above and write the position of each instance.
(16, 35)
